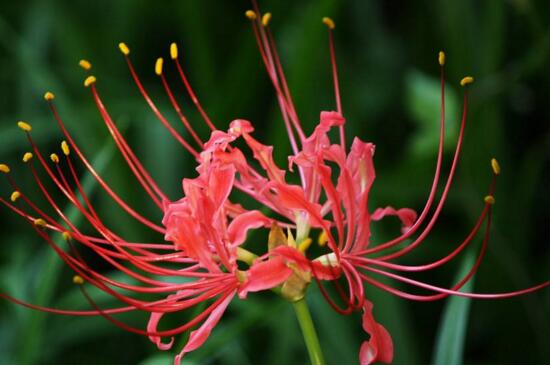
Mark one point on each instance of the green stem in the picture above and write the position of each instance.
(308, 331)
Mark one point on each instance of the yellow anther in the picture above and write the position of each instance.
(489, 199)
(304, 245)
(441, 58)
(250, 14)
(85, 64)
(467, 80)
(14, 196)
(495, 166)
(174, 51)
(89, 81)
(322, 239)
(78, 280)
(265, 19)
(4, 168)
(66, 236)
(49, 96)
(158, 66)
(65, 148)
(27, 156)
(329, 22)
(39, 222)
(124, 48)
(24, 126)
(54, 158)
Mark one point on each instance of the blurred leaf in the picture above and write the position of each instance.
(449, 347)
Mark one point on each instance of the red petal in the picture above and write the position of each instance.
(379, 347)
(264, 155)
(319, 270)
(239, 226)
(332, 119)
(220, 183)
(152, 327)
(265, 275)
(406, 215)
(200, 335)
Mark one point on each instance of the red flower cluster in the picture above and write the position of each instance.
(204, 233)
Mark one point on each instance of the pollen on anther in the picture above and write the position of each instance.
(66, 236)
(329, 22)
(54, 157)
(85, 64)
(173, 51)
(158, 66)
(4, 168)
(495, 166)
(250, 14)
(489, 199)
(441, 58)
(466, 81)
(65, 148)
(304, 245)
(78, 280)
(39, 222)
(265, 19)
(322, 239)
(27, 156)
(14, 196)
(89, 81)
(24, 126)
(49, 96)
(124, 48)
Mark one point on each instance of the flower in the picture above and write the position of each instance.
(204, 232)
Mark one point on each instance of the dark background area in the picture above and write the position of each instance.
(387, 57)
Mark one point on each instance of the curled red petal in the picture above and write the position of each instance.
(152, 327)
(331, 118)
(240, 126)
(200, 335)
(379, 347)
(406, 215)
(239, 226)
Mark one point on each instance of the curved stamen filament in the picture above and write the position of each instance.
(189, 89)
(435, 182)
(137, 168)
(177, 108)
(140, 218)
(156, 111)
(330, 27)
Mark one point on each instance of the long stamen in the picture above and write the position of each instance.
(270, 64)
(177, 108)
(126, 52)
(489, 200)
(447, 187)
(431, 196)
(192, 95)
(141, 174)
(439, 206)
(330, 26)
(98, 178)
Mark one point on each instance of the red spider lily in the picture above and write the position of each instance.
(204, 231)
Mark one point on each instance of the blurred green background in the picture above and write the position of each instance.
(387, 55)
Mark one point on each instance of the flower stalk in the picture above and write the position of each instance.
(308, 332)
